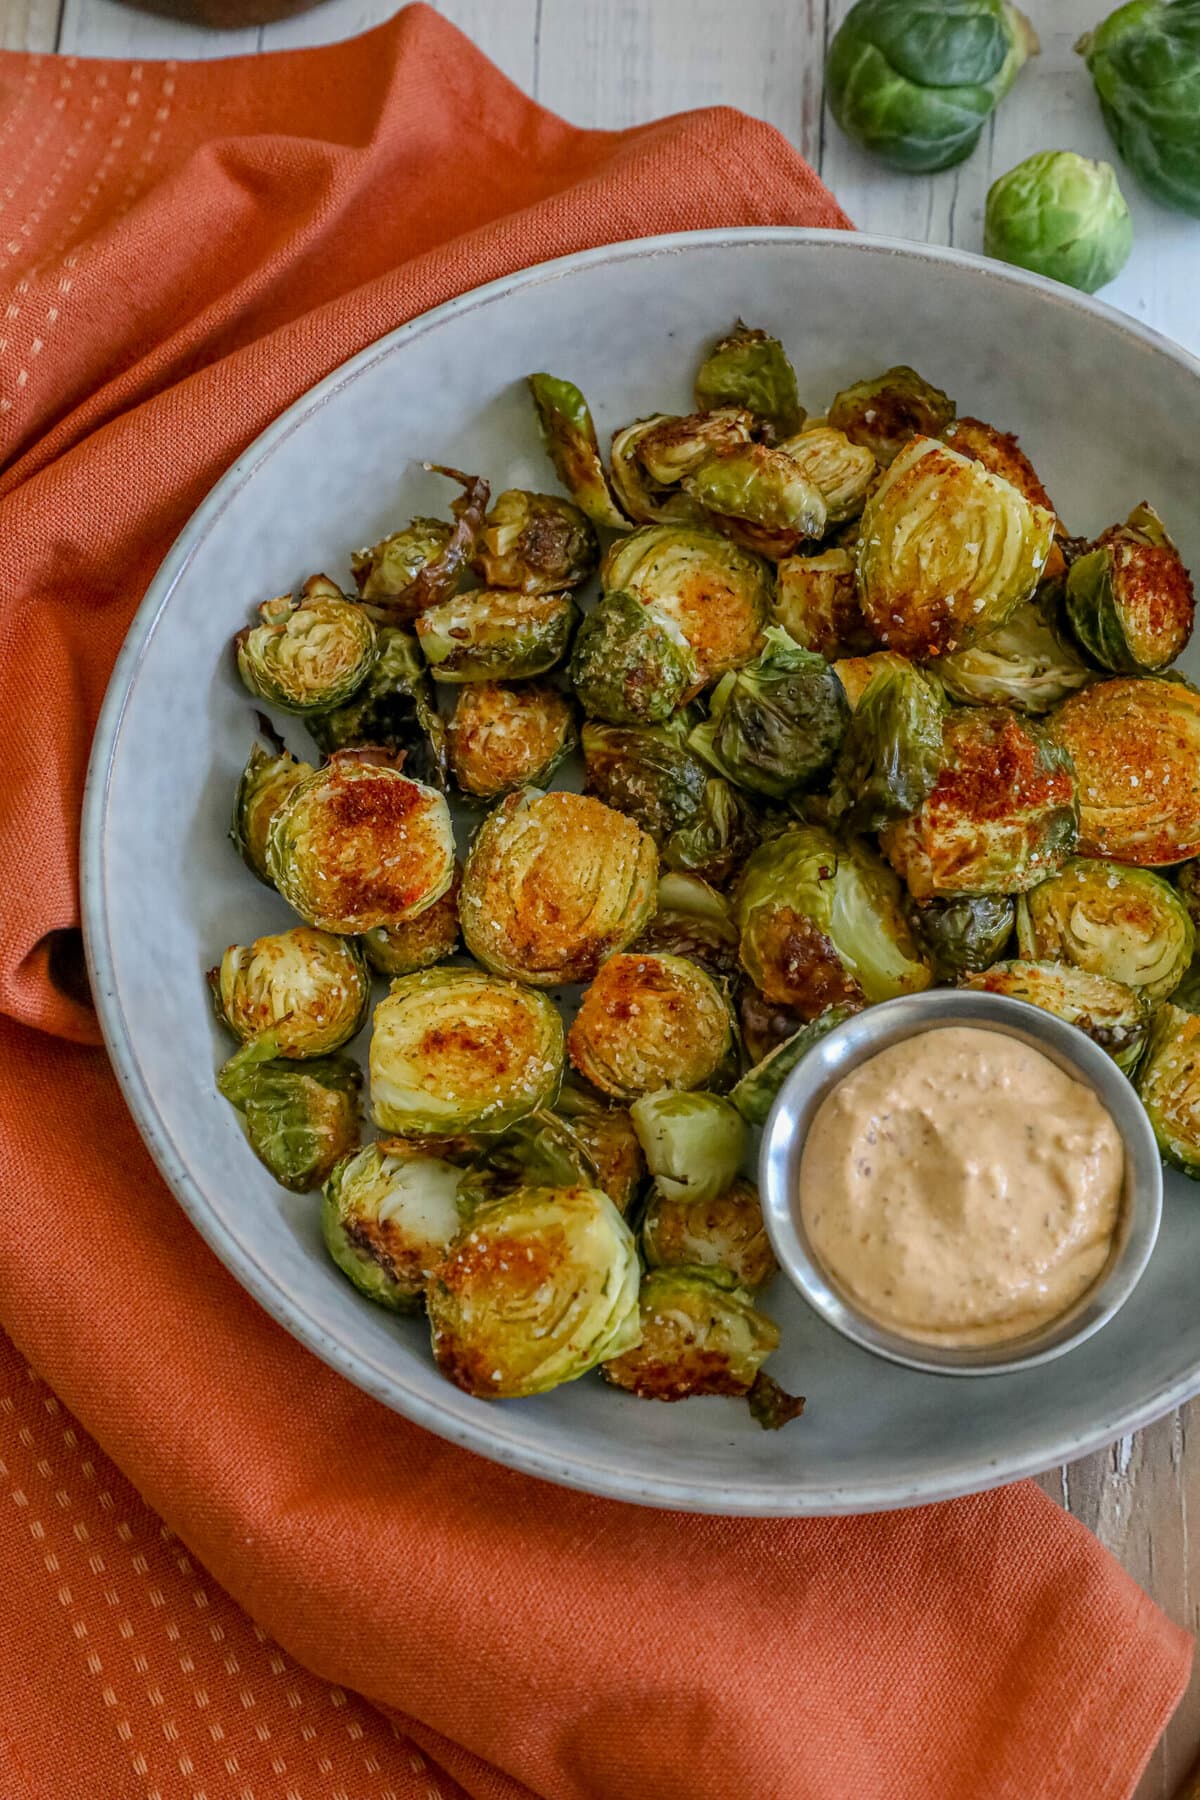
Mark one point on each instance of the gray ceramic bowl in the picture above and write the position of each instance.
(876, 1029)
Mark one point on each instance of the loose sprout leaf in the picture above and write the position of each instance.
(266, 781)
(771, 1406)
(570, 439)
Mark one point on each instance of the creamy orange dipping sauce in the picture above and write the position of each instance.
(961, 1188)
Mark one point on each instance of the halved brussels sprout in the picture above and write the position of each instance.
(404, 574)
(540, 1150)
(648, 1022)
(456, 1050)
(508, 737)
(1135, 745)
(267, 780)
(1187, 994)
(1110, 1013)
(570, 439)
(761, 498)
(718, 837)
(887, 412)
(299, 1118)
(1027, 663)
(754, 1095)
(417, 943)
(965, 935)
(823, 923)
(693, 1143)
(700, 1334)
(1002, 815)
(648, 773)
(694, 921)
(726, 1233)
(947, 551)
(493, 634)
(535, 543)
(308, 989)
(651, 457)
(1130, 599)
(607, 1135)
(856, 673)
(891, 752)
(541, 1288)
(394, 709)
(388, 1217)
(631, 664)
(816, 602)
(750, 369)
(1124, 923)
(1000, 452)
(553, 884)
(1168, 1085)
(716, 595)
(309, 651)
(357, 844)
(1187, 881)
(841, 470)
(776, 724)
(1062, 215)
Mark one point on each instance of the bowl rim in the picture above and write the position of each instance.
(392, 1390)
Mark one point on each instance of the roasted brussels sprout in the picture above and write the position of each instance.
(1000, 453)
(764, 1024)
(649, 1022)
(570, 439)
(308, 989)
(1136, 749)
(892, 750)
(607, 1135)
(631, 664)
(540, 1150)
(417, 943)
(399, 578)
(754, 1095)
(776, 724)
(694, 921)
(493, 634)
(750, 369)
(1062, 215)
(1001, 816)
(917, 85)
(1145, 62)
(651, 457)
(1187, 881)
(1125, 923)
(718, 837)
(309, 651)
(535, 543)
(726, 1233)
(963, 936)
(1168, 1084)
(823, 923)
(389, 1215)
(502, 738)
(553, 884)
(693, 1143)
(761, 498)
(1109, 1012)
(541, 1288)
(299, 1118)
(1187, 994)
(357, 844)
(647, 772)
(1129, 598)
(1027, 663)
(856, 673)
(456, 1050)
(816, 602)
(887, 412)
(716, 595)
(267, 780)
(948, 550)
(843, 471)
(699, 1334)
(394, 709)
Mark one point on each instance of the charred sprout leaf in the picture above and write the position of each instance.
(776, 724)
(1168, 1084)
(761, 498)
(1061, 215)
(886, 413)
(715, 595)
(1128, 924)
(765, 1024)
(1028, 663)
(403, 575)
(699, 1334)
(1129, 598)
(651, 457)
(816, 602)
(417, 943)
(718, 837)
(647, 772)
(570, 439)
(754, 1095)
(300, 1118)
(607, 1135)
(891, 752)
(631, 665)
(1112, 1014)
(750, 369)
(695, 921)
(309, 651)
(492, 634)
(535, 543)
(648, 1022)
(308, 989)
(267, 780)
(693, 1143)
(726, 1233)
(843, 471)
(965, 935)
(771, 1406)
(389, 1215)
(1135, 745)
(394, 708)
(503, 738)
(1145, 62)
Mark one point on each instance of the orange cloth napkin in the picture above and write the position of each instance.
(186, 249)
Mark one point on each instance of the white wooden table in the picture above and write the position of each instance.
(618, 62)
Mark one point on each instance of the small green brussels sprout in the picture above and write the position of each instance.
(395, 710)
(916, 85)
(493, 634)
(647, 772)
(416, 943)
(308, 989)
(267, 780)
(309, 651)
(777, 723)
(456, 1050)
(948, 550)
(726, 1233)
(607, 1135)
(842, 470)
(1062, 215)
(503, 738)
(299, 1118)
(750, 369)
(540, 1288)
(1145, 62)
(1135, 745)
(693, 1142)
(404, 574)
(389, 1215)
(754, 1095)
(694, 921)
(1001, 816)
(357, 844)
(649, 1022)
(816, 602)
(1128, 924)
(965, 935)
(891, 752)
(716, 595)
(1168, 1085)
(631, 665)
(856, 673)
(761, 498)
(573, 447)
(823, 923)
(535, 543)
(1110, 1013)
(1130, 599)
(553, 884)
(651, 457)
(718, 837)
(888, 411)
(1027, 663)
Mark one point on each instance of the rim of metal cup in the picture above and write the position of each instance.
(877, 1028)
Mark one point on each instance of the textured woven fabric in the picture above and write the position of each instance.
(184, 250)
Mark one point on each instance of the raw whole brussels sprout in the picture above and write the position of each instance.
(816, 602)
(570, 439)
(357, 844)
(309, 651)
(1113, 1015)
(1129, 598)
(760, 498)
(456, 1050)
(823, 923)
(892, 751)
(718, 837)
(651, 457)
(648, 773)
(404, 574)
(389, 1215)
(856, 673)
(1002, 814)
(916, 85)
(965, 935)
(1135, 745)
(1027, 663)
(417, 943)
(535, 543)
(631, 665)
(267, 780)
(308, 989)
(725, 1233)
(649, 1022)
(502, 738)
(1145, 62)
(1125, 923)
(842, 470)
(394, 709)
(607, 1135)
(888, 411)
(541, 1288)
(1168, 1085)
(777, 723)
(299, 1118)
(754, 1095)
(693, 1143)
(493, 634)
(1062, 215)
(716, 595)
(553, 884)
(947, 551)
(750, 369)
(694, 921)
